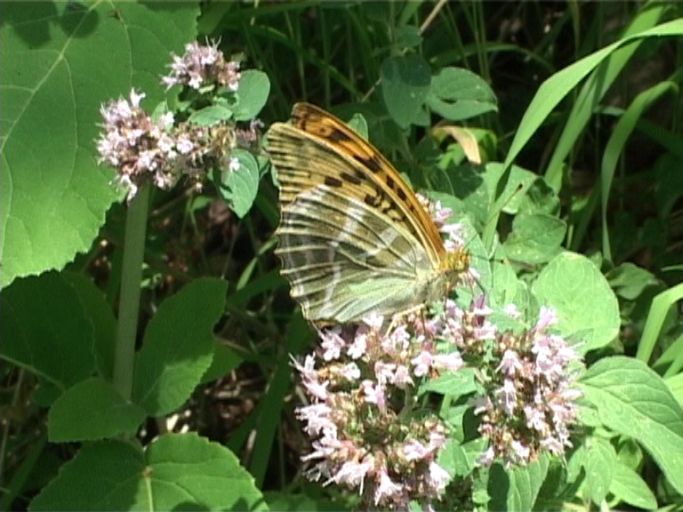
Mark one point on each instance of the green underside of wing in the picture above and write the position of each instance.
(345, 259)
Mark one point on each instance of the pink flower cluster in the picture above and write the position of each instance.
(144, 150)
(201, 66)
(137, 145)
(366, 434)
(531, 397)
(161, 151)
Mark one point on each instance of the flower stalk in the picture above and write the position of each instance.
(129, 298)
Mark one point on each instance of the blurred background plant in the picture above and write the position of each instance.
(582, 97)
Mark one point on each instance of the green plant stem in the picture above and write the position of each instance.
(129, 298)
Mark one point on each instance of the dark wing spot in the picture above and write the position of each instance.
(372, 200)
(390, 182)
(332, 181)
(374, 164)
(350, 178)
(371, 163)
(336, 135)
(401, 194)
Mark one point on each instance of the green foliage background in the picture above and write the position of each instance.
(576, 111)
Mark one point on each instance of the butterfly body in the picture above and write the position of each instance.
(354, 239)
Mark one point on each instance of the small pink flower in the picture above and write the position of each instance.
(438, 477)
(374, 321)
(384, 372)
(547, 317)
(350, 372)
(317, 418)
(402, 378)
(451, 362)
(510, 363)
(422, 363)
(374, 394)
(520, 450)
(352, 474)
(386, 488)
(234, 164)
(487, 457)
(332, 344)
(357, 349)
(414, 450)
(508, 394)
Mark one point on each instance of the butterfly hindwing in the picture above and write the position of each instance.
(343, 259)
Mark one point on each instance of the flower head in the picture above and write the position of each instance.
(201, 66)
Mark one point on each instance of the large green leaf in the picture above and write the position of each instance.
(598, 462)
(535, 238)
(60, 61)
(586, 307)
(239, 186)
(405, 85)
(458, 94)
(44, 328)
(178, 347)
(99, 312)
(633, 400)
(252, 94)
(92, 410)
(176, 472)
(630, 488)
(516, 488)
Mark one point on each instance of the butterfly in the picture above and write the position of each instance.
(353, 238)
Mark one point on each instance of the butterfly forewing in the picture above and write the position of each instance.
(354, 239)
(371, 168)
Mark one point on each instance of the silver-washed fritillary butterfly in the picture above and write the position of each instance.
(354, 239)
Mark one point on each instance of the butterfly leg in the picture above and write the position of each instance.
(397, 318)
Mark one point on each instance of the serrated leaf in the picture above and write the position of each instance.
(632, 400)
(58, 68)
(586, 307)
(92, 410)
(535, 238)
(176, 472)
(252, 94)
(44, 329)
(210, 115)
(405, 85)
(457, 94)
(178, 346)
(628, 487)
(239, 187)
(516, 488)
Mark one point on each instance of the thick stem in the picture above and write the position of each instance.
(129, 299)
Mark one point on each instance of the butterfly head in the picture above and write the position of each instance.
(455, 265)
